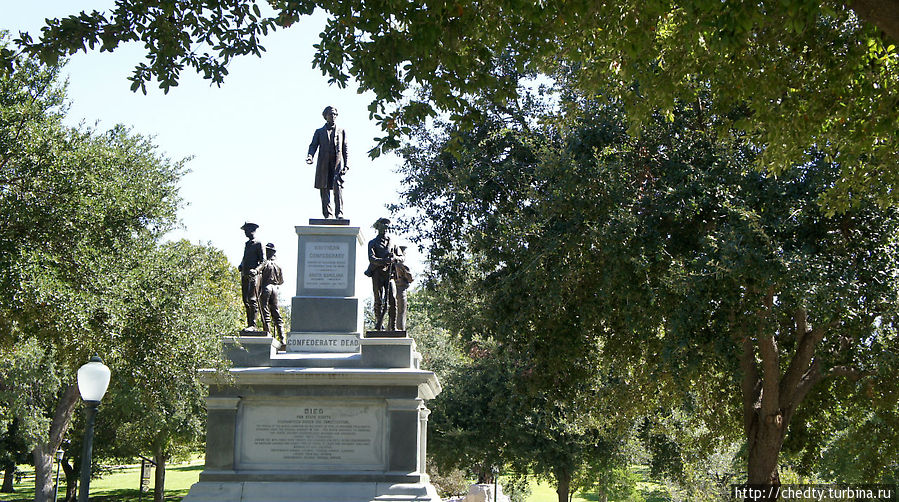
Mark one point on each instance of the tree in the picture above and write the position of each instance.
(486, 418)
(28, 384)
(809, 75)
(74, 204)
(665, 259)
(182, 297)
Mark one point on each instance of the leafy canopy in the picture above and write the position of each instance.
(663, 259)
(803, 74)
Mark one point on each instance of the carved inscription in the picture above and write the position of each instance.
(312, 342)
(313, 435)
(326, 265)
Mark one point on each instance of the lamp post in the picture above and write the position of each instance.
(93, 379)
(59, 454)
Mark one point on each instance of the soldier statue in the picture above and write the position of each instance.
(249, 274)
(383, 256)
(403, 279)
(330, 141)
(270, 272)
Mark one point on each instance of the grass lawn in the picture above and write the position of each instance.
(650, 490)
(120, 485)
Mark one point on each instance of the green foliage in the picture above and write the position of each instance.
(29, 381)
(74, 204)
(486, 418)
(657, 258)
(82, 271)
(807, 75)
(180, 299)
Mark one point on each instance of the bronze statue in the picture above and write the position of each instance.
(249, 276)
(270, 272)
(403, 279)
(383, 256)
(330, 141)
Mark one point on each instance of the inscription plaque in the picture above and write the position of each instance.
(315, 342)
(312, 435)
(326, 265)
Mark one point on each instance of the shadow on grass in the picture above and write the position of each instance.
(121, 495)
(131, 495)
(186, 468)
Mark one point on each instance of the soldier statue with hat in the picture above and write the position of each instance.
(249, 273)
(383, 255)
(270, 272)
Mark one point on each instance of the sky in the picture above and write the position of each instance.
(247, 140)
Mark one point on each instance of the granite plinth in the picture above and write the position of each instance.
(325, 313)
(316, 426)
(329, 221)
(327, 260)
(385, 334)
(338, 491)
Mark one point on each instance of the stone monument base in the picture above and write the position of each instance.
(383, 333)
(345, 491)
(317, 426)
(329, 221)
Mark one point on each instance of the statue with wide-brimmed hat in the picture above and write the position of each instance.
(253, 256)
(271, 278)
(383, 255)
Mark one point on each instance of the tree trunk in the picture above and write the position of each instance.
(770, 396)
(765, 441)
(43, 453)
(563, 484)
(8, 475)
(159, 481)
(71, 474)
(881, 13)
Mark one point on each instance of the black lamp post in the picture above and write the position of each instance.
(59, 454)
(93, 379)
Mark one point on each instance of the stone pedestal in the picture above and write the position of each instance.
(336, 417)
(328, 262)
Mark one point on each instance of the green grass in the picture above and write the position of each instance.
(119, 485)
(545, 492)
(649, 489)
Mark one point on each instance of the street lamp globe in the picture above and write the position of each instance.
(93, 380)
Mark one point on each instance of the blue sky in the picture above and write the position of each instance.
(248, 139)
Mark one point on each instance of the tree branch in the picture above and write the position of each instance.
(770, 356)
(802, 359)
(849, 372)
(805, 384)
(883, 14)
(751, 385)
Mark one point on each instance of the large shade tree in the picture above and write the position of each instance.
(79, 210)
(808, 74)
(684, 271)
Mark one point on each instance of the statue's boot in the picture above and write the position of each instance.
(391, 320)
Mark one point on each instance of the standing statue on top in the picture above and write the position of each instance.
(249, 273)
(330, 141)
(403, 279)
(270, 272)
(383, 255)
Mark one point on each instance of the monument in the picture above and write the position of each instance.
(330, 142)
(329, 415)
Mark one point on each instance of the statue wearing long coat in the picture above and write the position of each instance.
(324, 175)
